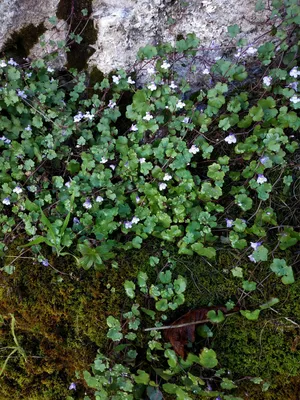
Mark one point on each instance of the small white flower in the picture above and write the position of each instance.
(151, 71)
(130, 81)
(172, 85)
(49, 69)
(134, 128)
(294, 99)
(230, 139)
(137, 199)
(112, 104)
(18, 190)
(135, 220)
(2, 64)
(103, 160)
(194, 149)
(267, 80)
(255, 245)
(148, 116)
(294, 72)
(251, 258)
(186, 120)
(88, 115)
(180, 104)
(167, 177)
(5, 139)
(152, 86)
(87, 204)
(128, 224)
(28, 128)
(6, 201)
(28, 74)
(237, 54)
(112, 166)
(99, 199)
(229, 223)
(162, 186)
(78, 117)
(218, 58)
(116, 79)
(165, 65)
(251, 51)
(261, 179)
(205, 71)
(12, 62)
(68, 184)
(142, 160)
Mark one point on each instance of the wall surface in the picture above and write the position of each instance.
(123, 26)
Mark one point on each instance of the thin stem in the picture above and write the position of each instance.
(203, 321)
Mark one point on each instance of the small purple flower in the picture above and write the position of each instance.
(21, 94)
(264, 160)
(134, 128)
(128, 224)
(293, 85)
(229, 222)
(76, 220)
(12, 62)
(251, 258)
(255, 245)
(72, 386)
(45, 262)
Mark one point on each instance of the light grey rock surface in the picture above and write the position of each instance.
(17, 14)
(126, 25)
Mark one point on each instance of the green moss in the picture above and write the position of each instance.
(71, 12)
(20, 43)
(61, 320)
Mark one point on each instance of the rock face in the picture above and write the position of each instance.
(123, 26)
(126, 25)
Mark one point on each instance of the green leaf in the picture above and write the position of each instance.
(165, 277)
(208, 358)
(161, 305)
(269, 303)
(261, 254)
(237, 272)
(243, 201)
(233, 30)
(250, 315)
(208, 252)
(216, 317)
(281, 269)
(249, 286)
(227, 384)
(130, 289)
(142, 378)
